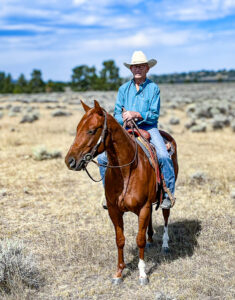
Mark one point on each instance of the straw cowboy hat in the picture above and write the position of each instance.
(138, 58)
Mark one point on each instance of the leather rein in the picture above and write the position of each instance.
(89, 157)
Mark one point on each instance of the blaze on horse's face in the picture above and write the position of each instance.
(89, 130)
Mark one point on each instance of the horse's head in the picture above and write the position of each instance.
(89, 140)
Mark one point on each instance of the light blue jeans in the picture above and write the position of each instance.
(164, 159)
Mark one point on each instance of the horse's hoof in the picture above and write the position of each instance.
(165, 250)
(148, 245)
(143, 280)
(116, 280)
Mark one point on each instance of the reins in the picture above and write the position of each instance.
(89, 157)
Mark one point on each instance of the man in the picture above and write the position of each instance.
(141, 99)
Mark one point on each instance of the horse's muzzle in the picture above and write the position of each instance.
(75, 165)
(72, 162)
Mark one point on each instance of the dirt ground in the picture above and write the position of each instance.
(58, 215)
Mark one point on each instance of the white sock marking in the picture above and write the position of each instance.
(141, 267)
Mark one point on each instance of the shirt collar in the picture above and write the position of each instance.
(142, 85)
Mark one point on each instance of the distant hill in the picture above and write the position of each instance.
(197, 76)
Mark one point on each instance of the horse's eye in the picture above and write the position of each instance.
(92, 131)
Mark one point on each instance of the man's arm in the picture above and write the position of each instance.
(118, 107)
(151, 116)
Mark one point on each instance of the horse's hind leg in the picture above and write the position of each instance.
(165, 238)
(150, 231)
(117, 219)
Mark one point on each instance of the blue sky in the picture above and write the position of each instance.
(57, 35)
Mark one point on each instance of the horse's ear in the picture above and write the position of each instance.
(86, 107)
(99, 109)
(96, 104)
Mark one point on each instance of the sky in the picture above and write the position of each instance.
(57, 35)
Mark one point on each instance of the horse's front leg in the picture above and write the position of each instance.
(150, 231)
(165, 238)
(117, 219)
(144, 217)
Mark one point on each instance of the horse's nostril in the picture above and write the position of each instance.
(72, 162)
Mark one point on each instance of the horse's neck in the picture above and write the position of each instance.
(121, 149)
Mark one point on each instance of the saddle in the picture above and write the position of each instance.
(143, 139)
(143, 135)
(168, 139)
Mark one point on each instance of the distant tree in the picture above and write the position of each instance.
(219, 77)
(2, 78)
(109, 76)
(231, 73)
(8, 85)
(187, 79)
(53, 86)
(36, 84)
(84, 78)
(21, 85)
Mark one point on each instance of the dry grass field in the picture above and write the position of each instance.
(57, 213)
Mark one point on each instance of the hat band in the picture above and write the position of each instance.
(138, 62)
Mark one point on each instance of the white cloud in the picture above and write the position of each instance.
(195, 10)
(105, 3)
(29, 27)
(79, 2)
(99, 15)
(142, 39)
(20, 10)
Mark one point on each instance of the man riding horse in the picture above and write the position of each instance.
(139, 100)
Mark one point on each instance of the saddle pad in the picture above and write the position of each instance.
(151, 154)
(146, 151)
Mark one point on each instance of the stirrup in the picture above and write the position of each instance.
(104, 202)
(104, 206)
(166, 204)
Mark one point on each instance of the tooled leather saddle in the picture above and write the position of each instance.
(143, 137)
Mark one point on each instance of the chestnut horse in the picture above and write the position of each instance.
(130, 181)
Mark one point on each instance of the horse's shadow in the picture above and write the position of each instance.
(183, 240)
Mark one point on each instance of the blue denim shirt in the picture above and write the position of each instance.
(146, 101)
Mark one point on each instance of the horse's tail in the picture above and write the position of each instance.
(168, 137)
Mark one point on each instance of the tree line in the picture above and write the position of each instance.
(84, 78)
(201, 76)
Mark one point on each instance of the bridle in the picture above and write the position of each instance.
(89, 157)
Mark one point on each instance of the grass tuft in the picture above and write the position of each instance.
(41, 153)
(18, 267)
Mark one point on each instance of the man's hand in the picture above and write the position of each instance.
(129, 115)
(128, 124)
